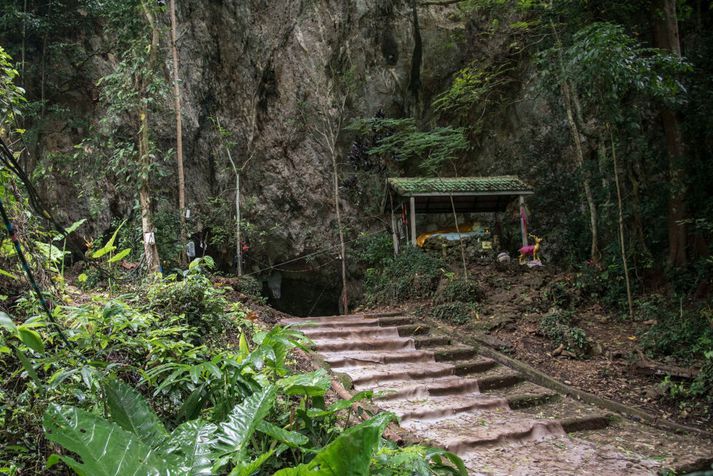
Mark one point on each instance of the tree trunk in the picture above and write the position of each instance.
(622, 242)
(667, 38)
(179, 135)
(573, 110)
(153, 262)
(567, 94)
(344, 298)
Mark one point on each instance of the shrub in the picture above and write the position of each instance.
(410, 275)
(251, 287)
(194, 297)
(685, 334)
(561, 294)
(454, 312)
(558, 327)
(453, 290)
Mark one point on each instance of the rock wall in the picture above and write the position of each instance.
(259, 67)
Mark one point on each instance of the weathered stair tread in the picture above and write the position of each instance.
(435, 408)
(346, 317)
(557, 456)
(303, 324)
(451, 385)
(453, 352)
(354, 332)
(354, 358)
(375, 374)
(392, 343)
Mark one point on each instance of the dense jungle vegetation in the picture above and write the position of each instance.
(134, 360)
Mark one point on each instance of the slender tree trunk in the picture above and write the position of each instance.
(153, 262)
(342, 247)
(667, 38)
(179, 133)
(572, 107)
(622, 242)
(567, 94)
(237, 224)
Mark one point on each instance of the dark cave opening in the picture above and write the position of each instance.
(304, 297)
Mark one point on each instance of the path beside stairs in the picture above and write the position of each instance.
(490, 415)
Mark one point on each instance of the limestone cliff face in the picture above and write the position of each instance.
(260, 67)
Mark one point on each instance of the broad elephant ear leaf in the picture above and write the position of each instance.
(349, 455)
(191, 447)
(104, 447)
(311, 384)
(234, 434)
(290, 438)
(130, 411)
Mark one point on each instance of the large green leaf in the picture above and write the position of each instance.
(30, 338)
(243, 420)
(7, 323)
(129, 410)
(290, 438)
(311, 384)
(109, 246)
(120, 255)
(249, 469)
(191, 446)
(104, 447)
(349, 455)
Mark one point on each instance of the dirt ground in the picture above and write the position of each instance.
(509, 317)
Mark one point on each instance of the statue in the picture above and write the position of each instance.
(531, 250)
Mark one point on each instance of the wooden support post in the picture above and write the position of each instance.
(413, 220)
(523, 225)
(394, 233)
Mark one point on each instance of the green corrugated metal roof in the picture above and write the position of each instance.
(460, 185)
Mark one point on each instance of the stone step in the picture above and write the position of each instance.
(409, 330)
(335, 324)
(524, 431)
(436, 408)
(346, 317)
(353, 359)
(437, 387)
(351, 332)
(336, 345)
(431, 341)
(374, 375)
(451, 353)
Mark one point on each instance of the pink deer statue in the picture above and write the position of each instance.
(530, 250)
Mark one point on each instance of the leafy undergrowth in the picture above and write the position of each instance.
(411, 275)
(175, 380)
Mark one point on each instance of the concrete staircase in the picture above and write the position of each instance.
(490, 415)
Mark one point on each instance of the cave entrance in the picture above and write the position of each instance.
(304, 296)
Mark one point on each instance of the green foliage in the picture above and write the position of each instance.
(194, 298)
(391, 460)
(349, 454)
(12, 97)
(454, 312)
(251, 287)
(104, 447)
(373, 251)
(683, 333)
(452, 290)
(558, 327)
(402, 140)
(410, 275)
